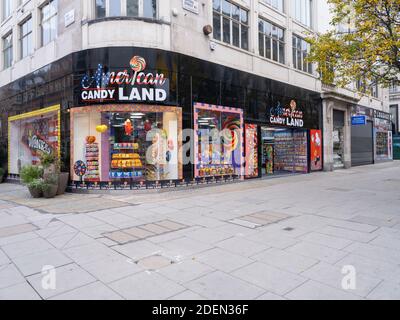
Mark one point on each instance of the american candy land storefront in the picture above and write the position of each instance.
(133, 118)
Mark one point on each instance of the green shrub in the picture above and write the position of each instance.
(2, 171)
(38, 184)
(30, 173)
(46, 160)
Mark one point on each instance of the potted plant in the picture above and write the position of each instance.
(35, 187)
(31, 177)
(49, 163)
(50, 186)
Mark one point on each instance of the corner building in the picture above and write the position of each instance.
(113, 87)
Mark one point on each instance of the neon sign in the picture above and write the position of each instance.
(127, 85)
(287, 116)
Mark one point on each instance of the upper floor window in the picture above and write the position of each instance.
(271, 41)
(49, 21)
(277, 4)
(26, 39)
(231, 24)
(302, 11)
(374, 90)
(301, 48)
(130, 8)
(6, 8)
(7, 51)
(394, 87)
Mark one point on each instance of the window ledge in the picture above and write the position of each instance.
(305, 73)
(231, 46)
(273, 61)
(122, 18)
(4, 22)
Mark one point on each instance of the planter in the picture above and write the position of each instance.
(62, 183)
(50, 191)
(51, 169)
(35, 192)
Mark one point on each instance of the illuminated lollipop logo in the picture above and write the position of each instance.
(138, 63)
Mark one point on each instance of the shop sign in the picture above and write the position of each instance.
(288, 116)
(382, 115)
(133, 85)
(191, 5)
(35, 143)
(358, 120)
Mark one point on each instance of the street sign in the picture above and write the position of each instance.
(358, 121)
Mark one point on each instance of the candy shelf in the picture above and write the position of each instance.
(92, 162)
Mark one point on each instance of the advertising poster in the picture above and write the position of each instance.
(316, 150)
(32, 135)
(251, 168)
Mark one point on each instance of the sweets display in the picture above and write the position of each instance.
(290, 151)
(219, 170)
(125, 163)
(92, 160)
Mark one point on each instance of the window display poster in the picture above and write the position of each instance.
(251, 168)
(32, 135)
(219, 145)
(316, 150)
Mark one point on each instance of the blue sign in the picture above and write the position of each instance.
(358, 121)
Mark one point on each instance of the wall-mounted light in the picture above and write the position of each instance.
(207, 30)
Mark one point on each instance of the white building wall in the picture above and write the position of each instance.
(181, 32)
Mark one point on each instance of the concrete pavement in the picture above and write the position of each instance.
(320, 236)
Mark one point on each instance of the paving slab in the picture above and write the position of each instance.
(270, 278)
(146, 286)
(66, 278)
(221, 286)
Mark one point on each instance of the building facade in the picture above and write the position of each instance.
(127, 91)
(356, 119)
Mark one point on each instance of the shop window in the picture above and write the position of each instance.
(283, 151)
(126, 144)
(301, 48)
(382, 148)
(26, 40)
(31, 135)
(231, 24)
(218, 142)
(7, 51)
(271, 41)
(49, 21)
(130, 8)
(251, 164)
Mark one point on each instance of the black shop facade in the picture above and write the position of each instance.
(136, 116)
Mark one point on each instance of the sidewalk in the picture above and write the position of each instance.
(287, 238)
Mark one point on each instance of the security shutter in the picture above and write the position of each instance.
(362, 150)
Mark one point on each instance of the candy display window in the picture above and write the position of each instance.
(31, 135)
(129, 143)
(219, 143)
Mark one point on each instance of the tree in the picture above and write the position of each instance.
(363, 45)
